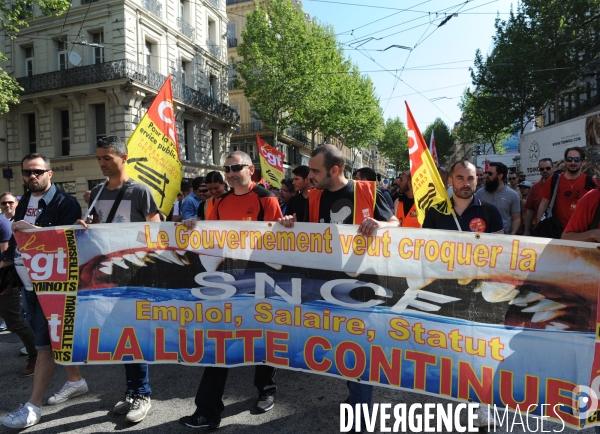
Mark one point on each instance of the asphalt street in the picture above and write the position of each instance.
(305, 403)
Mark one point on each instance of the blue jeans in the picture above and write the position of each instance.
(597, 428)
(137, 378)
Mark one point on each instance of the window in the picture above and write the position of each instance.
(212, 87)
(68, 187)
(148, 54)
(216, 145)
(28, 61)
(98, 38)
(65, 134)
(188, 132)
(231, 35)
(232, 75)
(63, 53)
(181, 9)
(31, 133)
(100, 121)
(184, 69)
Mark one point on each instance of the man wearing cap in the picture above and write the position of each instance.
(524, 189)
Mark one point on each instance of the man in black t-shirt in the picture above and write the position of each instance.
(299, 202)
(336, 205)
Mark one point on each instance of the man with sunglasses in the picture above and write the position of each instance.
(190, 205)
(534, 197)
(245, 201)
(513, 182)
(43, 205)
(572, 186)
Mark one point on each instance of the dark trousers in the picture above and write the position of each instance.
(11, 311)
(138, 381)
(209, 398)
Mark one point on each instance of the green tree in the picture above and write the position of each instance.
(278, 59)
(444, 141)
(484, 121)
(13, 16)
(394, 143)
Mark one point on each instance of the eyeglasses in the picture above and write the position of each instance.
(490, 173)
(575, 159)
(545, 168)
(33, 172)
(6, 203)
(203, 191)
(235, 167)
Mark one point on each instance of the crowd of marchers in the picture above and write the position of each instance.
(494, 200)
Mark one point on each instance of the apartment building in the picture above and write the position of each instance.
(95, 70)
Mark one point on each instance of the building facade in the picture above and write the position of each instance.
(95, 70)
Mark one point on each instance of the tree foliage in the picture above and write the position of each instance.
(444, 140)
(294, 74)
(13, 16)
(394, 143)
(484, 121)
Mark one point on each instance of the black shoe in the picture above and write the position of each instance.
(265, 403)
(199, 421)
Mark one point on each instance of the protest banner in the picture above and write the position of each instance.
(271, 163)
(467, 316)
(153, 153)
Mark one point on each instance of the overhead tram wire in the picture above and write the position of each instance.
(396, 9)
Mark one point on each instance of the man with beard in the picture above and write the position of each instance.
(473, 215)
(404, 206)
(506, 200)
(534, 197)
(572, 185)
(337, 200)
(249, 202)
(42, 206)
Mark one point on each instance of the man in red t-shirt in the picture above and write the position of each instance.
(250, 202)
(578, 228)
(535, 194)
(571, 187)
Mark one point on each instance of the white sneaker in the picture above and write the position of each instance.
(483, 419)
(23, 351)
(3, 326)
(23, 417)
(139, 408)
(66, 392)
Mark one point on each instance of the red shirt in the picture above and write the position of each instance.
(568, 194)
(584, 213)
(535, 197)
(247, 206)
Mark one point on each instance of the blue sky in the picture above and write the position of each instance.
(436, 69)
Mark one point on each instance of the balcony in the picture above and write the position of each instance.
(87, 2)
(186, 29)
(213, 48)
(252, 127)
(214, 3)
(235, 2)
(125, 69)
(153, 6)
(231, 42)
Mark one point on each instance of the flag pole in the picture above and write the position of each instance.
(456, 221)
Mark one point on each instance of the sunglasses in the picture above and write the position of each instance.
(575, 159)
(545, 168)
(512, 178)
(203, 191)
(490, 173)
(33, 172)
(235, 167)
(6, 203)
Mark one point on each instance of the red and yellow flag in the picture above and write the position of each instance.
(153, 153)
(428, 188)
(271, 163)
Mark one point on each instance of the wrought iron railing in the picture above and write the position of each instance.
(252, 127)
(232, 42)
(153, 6)
(213, 48)
(214, 3)
(235, 2)
(185, 28)
(125, 69)
(86, 2)
(231, 85)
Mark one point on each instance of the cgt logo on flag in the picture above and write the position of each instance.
(51, 258)
(271, 163)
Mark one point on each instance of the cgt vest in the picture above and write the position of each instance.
(365, 193)
(406, 221)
